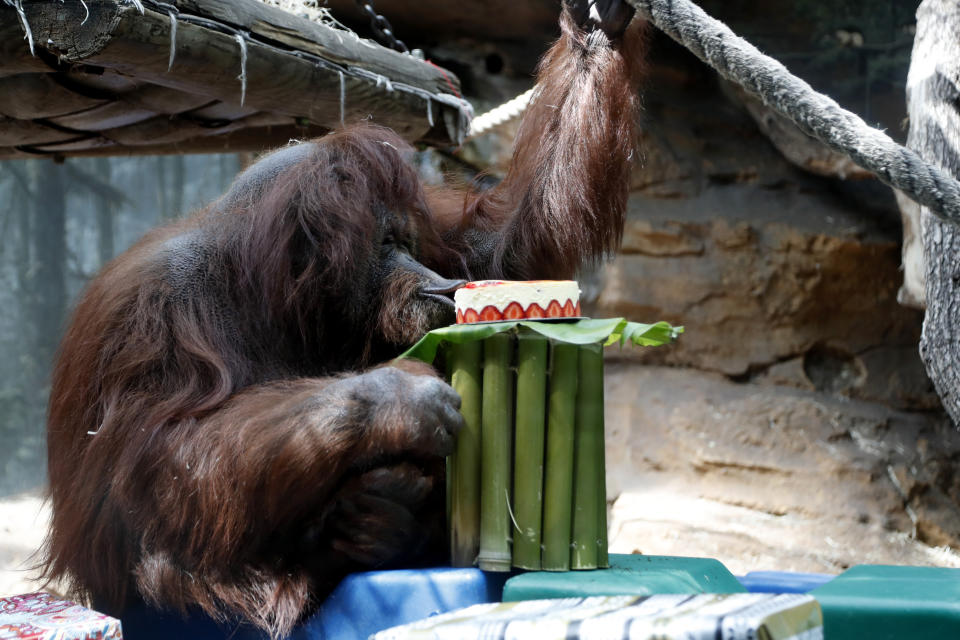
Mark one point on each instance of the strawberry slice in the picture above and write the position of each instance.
(490, 314)
(460, 319)
(576, 310)
(471, 315)
(568, 310)
(513, 311)
(535, 311)
(554, 310)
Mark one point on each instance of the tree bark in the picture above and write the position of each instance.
(48, 245)
(105, 213)
(933, 97)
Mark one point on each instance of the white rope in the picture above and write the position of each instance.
(510, 110)
(173, 39)
(243, 67)
(817, 115)
(27, 32)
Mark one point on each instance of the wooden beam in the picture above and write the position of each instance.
(208, 63)
(27, 96)
(253, 139)
(14, 53)
(14, 132)
(343, 47)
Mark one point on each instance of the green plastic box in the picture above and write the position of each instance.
(886, 602)
(628, 575)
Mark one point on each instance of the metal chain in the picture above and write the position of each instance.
(382, 27)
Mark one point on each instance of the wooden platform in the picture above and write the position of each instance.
(202, 76)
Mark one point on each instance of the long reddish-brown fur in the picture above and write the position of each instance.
(208, 444)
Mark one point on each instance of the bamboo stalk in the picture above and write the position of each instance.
(528, 448)
(463, 466)
(603, 556)
(496, 437)
(588, 462)
(558, 472)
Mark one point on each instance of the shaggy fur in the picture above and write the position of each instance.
(210, 444)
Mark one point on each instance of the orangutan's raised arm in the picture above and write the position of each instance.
(564, 198)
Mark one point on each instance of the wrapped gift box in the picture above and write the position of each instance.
(739, 616)
(42, 616)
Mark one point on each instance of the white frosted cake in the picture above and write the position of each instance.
(492, 300)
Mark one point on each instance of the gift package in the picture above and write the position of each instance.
(43, 616)
(739, 616)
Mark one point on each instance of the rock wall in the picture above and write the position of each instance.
(792, 426)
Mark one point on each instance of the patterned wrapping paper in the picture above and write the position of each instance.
(42, 616)
(740, 616)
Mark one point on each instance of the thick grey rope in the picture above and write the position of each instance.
(816, 114)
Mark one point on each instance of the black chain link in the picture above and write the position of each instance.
(382, 27)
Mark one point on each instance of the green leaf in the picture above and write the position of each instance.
(587, 331)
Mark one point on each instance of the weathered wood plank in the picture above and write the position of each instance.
(14, 132)
(106, 116)
(339, 46)
(169, 130)
(164, 99)
(254, 139)
(70, 147)
(224, 111)
(97, 80)
(69, 30)
(37, 95)
(14, 53)
(208, 64)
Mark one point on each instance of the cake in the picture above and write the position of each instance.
(493, 300)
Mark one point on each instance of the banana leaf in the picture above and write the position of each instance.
(587, 331)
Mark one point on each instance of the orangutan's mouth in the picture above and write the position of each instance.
(443, 293)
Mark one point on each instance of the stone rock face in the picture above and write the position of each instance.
(792, 426)
(763, 476)
(762, 298)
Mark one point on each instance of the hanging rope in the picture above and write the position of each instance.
(499, 115)
(816, 114)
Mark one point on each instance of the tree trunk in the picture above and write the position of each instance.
(105, 213)
(163, 204)
(933, 90)
(179, 182)
(49, 249)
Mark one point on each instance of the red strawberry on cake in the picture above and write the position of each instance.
(494, 300)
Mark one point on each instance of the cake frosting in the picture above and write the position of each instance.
(492, 300)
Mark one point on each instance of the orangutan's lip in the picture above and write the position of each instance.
(446, 300)
(443, 293)
(447, 287)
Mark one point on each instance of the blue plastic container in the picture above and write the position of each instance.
(365, 603)
(362, 604)
(783, 581)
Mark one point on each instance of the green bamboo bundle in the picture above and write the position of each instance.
(589, 493)
(558, 472)
(528, 448)
(496, 436)
(559, 457)
(463, 467)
